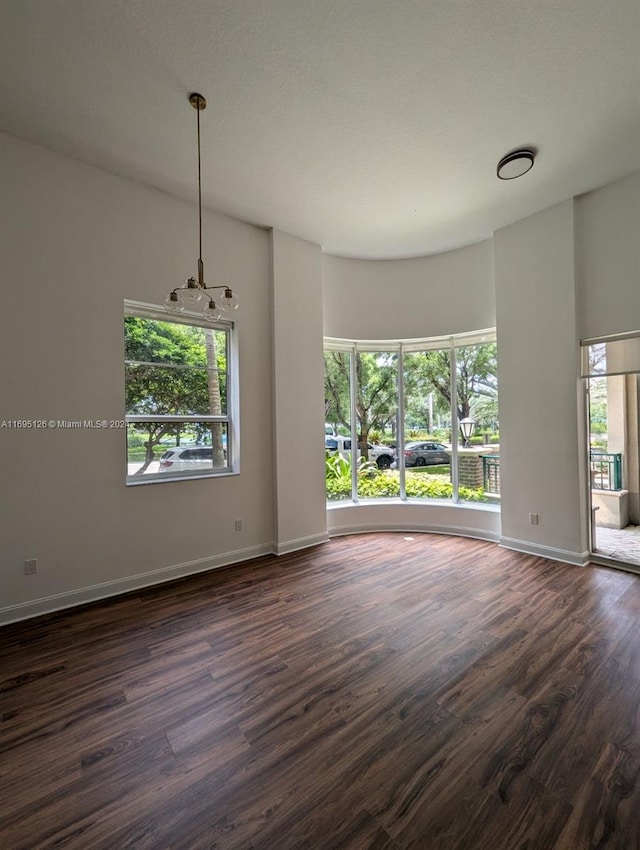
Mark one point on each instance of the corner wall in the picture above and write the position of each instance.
(540, 445)
(608, 259)
(298, 394)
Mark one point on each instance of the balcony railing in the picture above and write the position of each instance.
(606, 470)
(491, 474)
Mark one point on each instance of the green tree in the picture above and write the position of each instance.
(476, 379)
(155, 387)
(337, 403)
(425, 373)
(215, 398)
(376, 392)
(423, 403)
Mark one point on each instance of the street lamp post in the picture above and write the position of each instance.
(467, 427)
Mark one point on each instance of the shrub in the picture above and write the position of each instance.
(338, 474)
(415, 435)
(479, 439)
(375, 485)
(336, 466)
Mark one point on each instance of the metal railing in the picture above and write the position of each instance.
(491, 473)
(606, 470)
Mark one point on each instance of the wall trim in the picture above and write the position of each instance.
(580, 559)
(300, 543)
(453, 530)
(104, 590)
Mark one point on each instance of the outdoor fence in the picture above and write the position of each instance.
(606, 470)
(491, 473)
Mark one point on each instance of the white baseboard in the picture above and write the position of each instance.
(580, 559)
(301, 543)
(58, 601)
(454, 530)
(81, 596)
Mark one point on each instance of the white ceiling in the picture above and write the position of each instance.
(372, 127)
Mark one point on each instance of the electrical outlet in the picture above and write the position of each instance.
(533, 519)
(238, 525)
(31, 567)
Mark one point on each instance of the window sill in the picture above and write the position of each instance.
(436, 516)
(396, 500)
(166, 478)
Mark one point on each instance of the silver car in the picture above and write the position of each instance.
(425, 454)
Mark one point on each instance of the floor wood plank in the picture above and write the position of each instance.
(378, 692)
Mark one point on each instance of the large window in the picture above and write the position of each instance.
(337, 440)
(180, 397)
(424, 414)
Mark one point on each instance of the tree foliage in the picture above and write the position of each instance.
(376, 392)
(426, 373)
(155, 388)
(476, 380)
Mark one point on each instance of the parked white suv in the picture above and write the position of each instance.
(187, 458)
(382, 455)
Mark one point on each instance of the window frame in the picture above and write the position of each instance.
(451, 343)
(231, 418)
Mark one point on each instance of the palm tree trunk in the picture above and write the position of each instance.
(215, 400)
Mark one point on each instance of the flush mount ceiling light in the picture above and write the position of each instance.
(195, 290)
(515, 164)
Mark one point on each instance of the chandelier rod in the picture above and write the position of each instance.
(199, 104)
(193, 289)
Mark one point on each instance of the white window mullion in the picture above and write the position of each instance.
(354, 423)
(453, 391)
(400, 425)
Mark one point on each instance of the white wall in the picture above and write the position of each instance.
(541, 453)
(76, 242)
(468, 520)
(404, 299)
(298, 385)
(608, 259)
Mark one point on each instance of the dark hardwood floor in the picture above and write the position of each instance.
(376, 692)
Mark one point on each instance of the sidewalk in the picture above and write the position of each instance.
(622, 544)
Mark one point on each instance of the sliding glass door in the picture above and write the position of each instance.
(611, 371)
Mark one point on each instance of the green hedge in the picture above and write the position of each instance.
(479, 439)
(387, 483)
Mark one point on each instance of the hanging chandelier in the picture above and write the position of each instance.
(195, 291)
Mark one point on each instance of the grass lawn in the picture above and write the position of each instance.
(436, 469)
